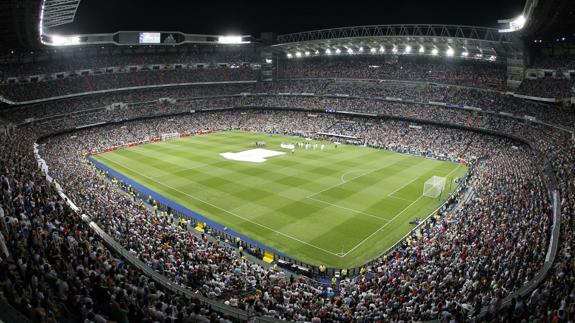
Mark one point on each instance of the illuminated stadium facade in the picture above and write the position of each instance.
(370, 173)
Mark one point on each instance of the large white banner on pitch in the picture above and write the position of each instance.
(257, 155)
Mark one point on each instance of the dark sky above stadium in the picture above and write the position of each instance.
(283, 16)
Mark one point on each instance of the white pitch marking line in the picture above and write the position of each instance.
(399, 198)
(392, 219)
(413, 180)
(226, 211)
(383, 226)
(349, 209)
(353, 178)
(342, 178)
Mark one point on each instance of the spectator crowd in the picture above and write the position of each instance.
(55, 268)
(406, 68)
(114, 59)
(501, 184)
(559, 88)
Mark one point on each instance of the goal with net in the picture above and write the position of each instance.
(169, 136)
(434, 186)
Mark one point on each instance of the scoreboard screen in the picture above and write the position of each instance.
(150, 38)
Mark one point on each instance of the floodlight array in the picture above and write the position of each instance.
(231, 40)
(513, 24)
(64, 40)
(395, 49)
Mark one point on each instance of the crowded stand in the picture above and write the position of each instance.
(90, 83)
(54, 267)
(452, 95)
(564, 62)
(321, 94)
(58, 108)
(425, 69)
(547, 88)
(372, 172)
(82, 116)
(69, 64)
(383, 135)
(510, 172)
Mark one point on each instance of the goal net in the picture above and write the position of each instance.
(434, 186)
(168, 136)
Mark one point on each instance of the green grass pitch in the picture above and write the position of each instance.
(340, 207)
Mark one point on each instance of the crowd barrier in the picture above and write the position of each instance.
(122, 89)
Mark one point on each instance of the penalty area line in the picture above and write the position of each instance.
(348, 209)
(382, 227)
(392, 219)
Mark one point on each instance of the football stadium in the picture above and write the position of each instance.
(358, 198)
(200, 163)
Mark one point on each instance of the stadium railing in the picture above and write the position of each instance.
(122, 89)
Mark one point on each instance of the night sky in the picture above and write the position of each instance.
(253, 17)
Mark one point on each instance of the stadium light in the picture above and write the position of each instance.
(350, 51)
(434, 51)
(338, 51)
(493, 58)
(328, 51)
(317, 52)
(307, 53)
(268, 61)
(361, 49)
(289, 55)
(57, 40)
(231, 40)
(298, 54)
(381, 49)
(407, 49)
(514, 24)
(465, 54)
(450, 52)
(394, 49)
(421, 49)
(373, 50)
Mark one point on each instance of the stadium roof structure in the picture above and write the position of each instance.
(426, 39)
(54, 13)
(58, 12)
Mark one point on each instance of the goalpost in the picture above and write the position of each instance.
(168, 136)
(434, 186)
